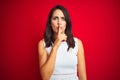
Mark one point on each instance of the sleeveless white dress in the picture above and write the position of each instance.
(66, 62)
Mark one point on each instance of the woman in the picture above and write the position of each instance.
(61, 55)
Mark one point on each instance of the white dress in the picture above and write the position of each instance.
(66, 62)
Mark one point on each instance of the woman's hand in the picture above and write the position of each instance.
(60, 37)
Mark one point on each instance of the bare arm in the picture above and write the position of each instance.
(46, 62)
(81, 62)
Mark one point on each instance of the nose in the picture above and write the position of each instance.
(59, 21)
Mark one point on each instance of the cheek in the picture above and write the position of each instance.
(64, 26)
(53, 25)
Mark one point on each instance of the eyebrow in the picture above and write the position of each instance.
(57, 17)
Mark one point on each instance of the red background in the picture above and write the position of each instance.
(22, 25)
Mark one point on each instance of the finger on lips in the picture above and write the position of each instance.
(59, 30)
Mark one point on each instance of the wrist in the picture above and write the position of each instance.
(57, 42)
(55, 46)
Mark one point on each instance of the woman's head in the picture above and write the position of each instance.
(58, 21)
(58, 17)
(59, 11)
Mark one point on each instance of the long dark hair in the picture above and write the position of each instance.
(48, 34)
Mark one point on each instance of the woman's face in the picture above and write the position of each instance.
(58, 21)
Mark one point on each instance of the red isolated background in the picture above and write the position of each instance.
(22, 25)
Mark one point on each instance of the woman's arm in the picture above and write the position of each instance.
(81, 62)
(46, 62)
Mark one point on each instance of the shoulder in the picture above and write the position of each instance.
(79, 42)
(41, 45)
(41, 42)
(80, 46)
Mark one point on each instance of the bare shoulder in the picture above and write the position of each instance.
(41, 46)
(41, 43)
(79, 41)
(80, 45)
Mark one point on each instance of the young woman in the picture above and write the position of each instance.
(61, 56)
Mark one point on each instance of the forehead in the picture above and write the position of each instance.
(58, 12)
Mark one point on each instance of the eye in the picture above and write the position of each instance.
(63, 18)
(55, 18)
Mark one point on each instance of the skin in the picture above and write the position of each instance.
(47, 63)
(58, 23)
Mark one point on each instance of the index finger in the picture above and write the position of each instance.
(59, 30)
